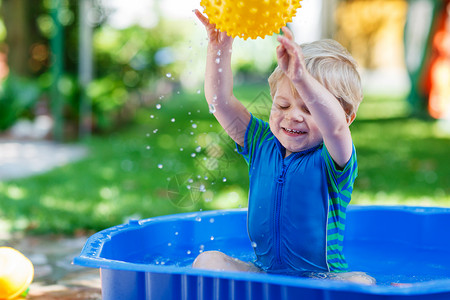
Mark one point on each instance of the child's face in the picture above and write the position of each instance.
(291, 122)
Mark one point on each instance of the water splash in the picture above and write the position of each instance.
(212, 108)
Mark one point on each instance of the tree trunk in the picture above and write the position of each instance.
(18, 17)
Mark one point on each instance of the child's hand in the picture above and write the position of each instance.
(290, 56)
(217, 39)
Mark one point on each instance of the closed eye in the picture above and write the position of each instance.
(282, 106)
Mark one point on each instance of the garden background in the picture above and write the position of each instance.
(125, 82)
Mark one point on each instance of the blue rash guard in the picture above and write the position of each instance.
(297, 204)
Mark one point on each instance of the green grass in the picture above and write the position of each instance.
(156, 166)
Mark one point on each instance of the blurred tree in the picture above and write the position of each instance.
(19, 18)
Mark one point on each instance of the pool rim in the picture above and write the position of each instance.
(90, 257)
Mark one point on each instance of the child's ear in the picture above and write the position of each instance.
(351, 119)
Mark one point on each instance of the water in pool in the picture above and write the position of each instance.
(388, 263)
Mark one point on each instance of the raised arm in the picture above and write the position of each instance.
(231, 114)
(324, 107)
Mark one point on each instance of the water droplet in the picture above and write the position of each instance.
(189, 113)
(148, 147)
(160, 166)
(198, 149)
(219, 52)
(181, 149)
(188, 187)
(161, 97)
(194, 125)
(218, 60)
(158, 106)
(188, 252)
(193, 155)
(198, 219)
(202, 188)
(212, 238)
(190, 180)
(212, 108)
(169, 244)
(152, 116)
(168, 75)
(215, 97)
(172, 120)
(224, 179)
(211, 220)
(163, 263)
(198, 91)
(176, 233)
(147, 135)
(220, 70)
(208, 200)
(254, 245)
(155, 131)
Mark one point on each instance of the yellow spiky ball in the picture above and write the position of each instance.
(250, 18)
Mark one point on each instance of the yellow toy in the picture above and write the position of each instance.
(16, 273)
(250, 18)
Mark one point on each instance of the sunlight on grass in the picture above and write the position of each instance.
(177, 158)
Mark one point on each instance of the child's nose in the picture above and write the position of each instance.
(295, 115)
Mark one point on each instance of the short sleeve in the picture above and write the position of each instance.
(340, 181)
(256, 133)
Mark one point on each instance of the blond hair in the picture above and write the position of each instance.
(333, 66)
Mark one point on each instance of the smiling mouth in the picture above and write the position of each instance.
(293, 131)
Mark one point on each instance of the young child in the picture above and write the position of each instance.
(302, 164)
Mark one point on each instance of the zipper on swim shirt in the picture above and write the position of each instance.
(277, 213)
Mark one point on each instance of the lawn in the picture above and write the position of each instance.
(175, 158)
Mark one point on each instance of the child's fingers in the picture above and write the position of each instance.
(288, 45)
(288, 33)
(281, 51)
(201, 17)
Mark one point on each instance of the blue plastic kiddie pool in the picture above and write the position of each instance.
(407, 249)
